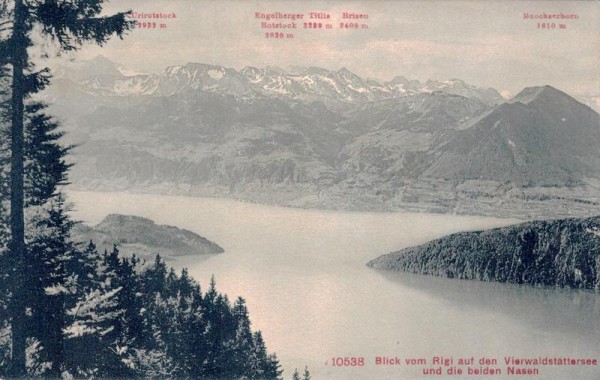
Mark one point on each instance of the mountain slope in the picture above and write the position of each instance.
(321, 138)
(134, 234)
(563, 253)
(540, 137)
(392, 130)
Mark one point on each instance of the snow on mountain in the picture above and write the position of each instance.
(101, 76)
(272, 135)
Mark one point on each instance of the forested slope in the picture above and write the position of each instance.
(564, 253)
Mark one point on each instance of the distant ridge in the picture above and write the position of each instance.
(542, 136)
(329, 139)
(308, 84)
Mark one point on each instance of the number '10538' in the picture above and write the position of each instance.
(348, 361)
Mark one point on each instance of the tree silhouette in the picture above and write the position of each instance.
(67, 24)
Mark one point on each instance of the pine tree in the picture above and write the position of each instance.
(101, 319)
(86, 314)
(239, 356)
(89, 336)
(130, 301)
(306, 374)
(264, 365)
(84, 268)
(272, 368)
(45, 166)
(69, 24)
(49, 251)
(45, 171)
(194, 334)
(184, 284)
(155, 280)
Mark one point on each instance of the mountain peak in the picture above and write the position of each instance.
(312, 70)
(100, 65)
(98, 71)
(100, 59)
(344, 70)
(530, 94)
(399, 79)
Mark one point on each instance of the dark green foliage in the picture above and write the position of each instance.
(79, 313)
(564, 253)
(69, 24)
(49, 252)
(45, 166)
(305, 374)
(202, 336)
(99, 315)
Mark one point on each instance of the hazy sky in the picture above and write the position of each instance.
(486, 43)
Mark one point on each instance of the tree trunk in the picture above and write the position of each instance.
(17, 223)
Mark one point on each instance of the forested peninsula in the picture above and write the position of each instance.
(562, 253)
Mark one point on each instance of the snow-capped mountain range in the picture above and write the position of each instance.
(102, 76)
(320, 138)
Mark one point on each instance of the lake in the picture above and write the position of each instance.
(303, 275)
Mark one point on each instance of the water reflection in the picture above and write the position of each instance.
(307, 287)
(568, 311)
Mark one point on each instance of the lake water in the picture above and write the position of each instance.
(303, 275)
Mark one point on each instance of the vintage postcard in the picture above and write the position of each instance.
(343, 189)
